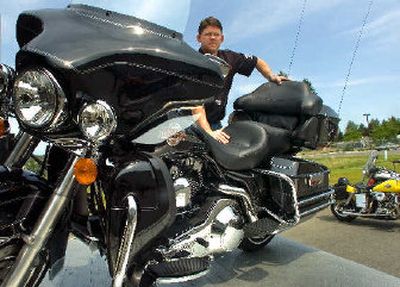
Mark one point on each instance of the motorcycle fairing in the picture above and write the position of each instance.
(138, 73)
(85, 35)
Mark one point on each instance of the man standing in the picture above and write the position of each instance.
(210, 37)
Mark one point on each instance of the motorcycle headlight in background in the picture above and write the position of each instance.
(97, 121)
(39, 100)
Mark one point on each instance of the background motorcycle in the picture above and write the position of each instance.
(377, 196)
(6, 138)
(125, 168)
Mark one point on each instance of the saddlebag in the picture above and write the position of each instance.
(310, 181)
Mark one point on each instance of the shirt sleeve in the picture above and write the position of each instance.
(245, 64)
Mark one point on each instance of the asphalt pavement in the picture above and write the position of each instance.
(371, 242)
(282, 263)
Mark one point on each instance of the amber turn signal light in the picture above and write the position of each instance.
(85, 171)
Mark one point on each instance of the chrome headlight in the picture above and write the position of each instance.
(97, 121)
(38, 98)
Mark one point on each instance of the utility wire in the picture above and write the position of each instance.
(296, 41)
(360, 33)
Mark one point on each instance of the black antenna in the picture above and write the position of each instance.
(360, 33)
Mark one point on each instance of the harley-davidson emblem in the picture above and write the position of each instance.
(315, 180)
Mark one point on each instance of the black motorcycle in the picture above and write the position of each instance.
(126, 168)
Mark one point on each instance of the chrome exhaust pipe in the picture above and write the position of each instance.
(240, 192)
(364, 214)
(317, 198)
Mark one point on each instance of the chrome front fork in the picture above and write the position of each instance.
(22, 150)
(48, 219)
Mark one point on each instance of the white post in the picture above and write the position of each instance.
(385, 155)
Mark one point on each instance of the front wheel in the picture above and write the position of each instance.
(14, 196)
(9, 253)
(337, 211)
(251, 244)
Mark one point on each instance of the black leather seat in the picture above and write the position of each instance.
(250, 143)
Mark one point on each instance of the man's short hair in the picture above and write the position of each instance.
(209, 21)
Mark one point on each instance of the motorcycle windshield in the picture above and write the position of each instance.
(370, 164)
(167, 128)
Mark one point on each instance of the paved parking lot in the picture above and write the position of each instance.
(371, 242)
(283, 263)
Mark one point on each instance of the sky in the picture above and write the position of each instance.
(268, 29)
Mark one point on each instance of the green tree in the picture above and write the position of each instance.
(352, 132)
(310, 86)
(305, 80)
(385, 131)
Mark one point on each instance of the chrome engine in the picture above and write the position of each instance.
(221, 232)
(183, 193)
(387, 203)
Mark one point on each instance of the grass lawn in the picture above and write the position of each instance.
(350, 166)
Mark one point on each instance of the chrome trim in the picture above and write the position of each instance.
(364, 214)
(286, 224)
(296, 217)
(22, 150)
(76, 146)
(189, 240)
(309, 200)
(112, 116)
(61, 111)
(169, 280)
(43, 228)
(126, 243)
(240, 192)
(315, 209)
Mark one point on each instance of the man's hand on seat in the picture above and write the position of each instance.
(220, 136)
(278, 79)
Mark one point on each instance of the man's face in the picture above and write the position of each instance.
(210, 39)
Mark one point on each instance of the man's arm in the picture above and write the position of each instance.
(266, 71)
(202, 121)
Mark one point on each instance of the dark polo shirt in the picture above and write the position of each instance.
(239, 63)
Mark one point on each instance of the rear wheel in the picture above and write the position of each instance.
(250, 244)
